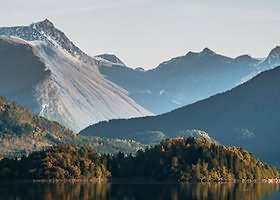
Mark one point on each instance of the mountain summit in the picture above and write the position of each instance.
(187, 79)
(273, 58)
(44, 70)
(182, 80)
(111, 58)
(46, 23)
(207, 51)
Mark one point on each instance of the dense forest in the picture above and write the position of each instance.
(58, 162)
(191, 159)
(176, 160)
(21, 133)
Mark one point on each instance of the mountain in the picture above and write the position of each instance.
(43, 70)
(273, 59)
(110, 60)
(246, 116)
(184, 80)
(21, 133)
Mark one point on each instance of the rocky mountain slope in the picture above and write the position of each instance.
(43, 70)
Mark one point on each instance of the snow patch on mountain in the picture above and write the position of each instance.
(75, 94)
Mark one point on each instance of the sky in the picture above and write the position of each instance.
(144, 33)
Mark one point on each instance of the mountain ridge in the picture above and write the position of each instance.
(184, 79)
(111, 59)
(246, 114)
(74, 93)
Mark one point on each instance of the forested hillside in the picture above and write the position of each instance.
(191, 159)
(61, 162)
(176, 160)
(22, 133)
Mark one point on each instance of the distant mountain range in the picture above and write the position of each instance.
(186, 79)
(42, 69)
(246, 116)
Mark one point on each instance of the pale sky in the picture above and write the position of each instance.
(147, 32)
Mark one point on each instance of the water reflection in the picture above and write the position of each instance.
(87, 191)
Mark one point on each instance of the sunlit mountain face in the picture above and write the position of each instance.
(139, 100)
(43, 70)
(61, 82)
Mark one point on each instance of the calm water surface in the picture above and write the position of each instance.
(91, 191)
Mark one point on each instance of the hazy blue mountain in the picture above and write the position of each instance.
(186, 79)
(272, 60)
(42, 69)
(246, 116)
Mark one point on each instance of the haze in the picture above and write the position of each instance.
(147, 32)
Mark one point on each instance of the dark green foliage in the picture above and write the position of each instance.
(14, 119)
(191, 160)
(180, 159)
(173, 160)
(17, 120)
(60, 162)
(246, 116)
(22, 133)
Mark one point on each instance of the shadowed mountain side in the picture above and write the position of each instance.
(21, 71)
(246, 116)
(74, 93)
(182, 80)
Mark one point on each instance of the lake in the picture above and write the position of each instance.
(93, 191)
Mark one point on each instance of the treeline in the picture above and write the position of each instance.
(59, 162)
(191, 159)
(180, 160)
(17, 120)
(22, 133)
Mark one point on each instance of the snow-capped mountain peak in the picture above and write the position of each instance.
(55, 36)
(43, 31)
(46, 22)
(73, 92)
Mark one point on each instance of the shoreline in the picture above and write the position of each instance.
(144, 181)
